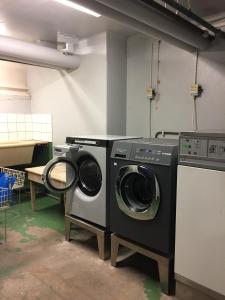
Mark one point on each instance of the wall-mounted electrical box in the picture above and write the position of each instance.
(150, 93)
(196, 90)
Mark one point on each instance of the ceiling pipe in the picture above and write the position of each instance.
(29, 53)
(175, 27)
(132, 23)
(185, 12)
(189, 40)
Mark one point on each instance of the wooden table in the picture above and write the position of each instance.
(34, 176)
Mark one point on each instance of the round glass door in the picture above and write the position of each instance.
(60, 175)
(90, 175)
(137, 192)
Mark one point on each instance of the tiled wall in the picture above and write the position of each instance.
(20, 127)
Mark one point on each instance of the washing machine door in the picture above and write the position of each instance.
(60, 174)
(137, 192)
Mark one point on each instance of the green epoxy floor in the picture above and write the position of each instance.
(49, 214)
(36, 262)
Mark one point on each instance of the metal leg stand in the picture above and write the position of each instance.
(100, 233)
(114, 249)
(67, 229)
(165, 265)
(5, 227)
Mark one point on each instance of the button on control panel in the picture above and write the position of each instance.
(147, 154)
(216, 149)
(152, 154)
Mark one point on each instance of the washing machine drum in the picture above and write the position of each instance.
(137, 192)
(90, 175)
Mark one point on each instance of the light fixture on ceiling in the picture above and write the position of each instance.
(79, 7)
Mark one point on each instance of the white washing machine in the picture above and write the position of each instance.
(200, 213)
(85, 161)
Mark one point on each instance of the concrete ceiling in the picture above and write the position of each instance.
(205, 8)
(41, 19)
(33, 20)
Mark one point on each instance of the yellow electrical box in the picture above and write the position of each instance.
(150, 92)
(196, 90)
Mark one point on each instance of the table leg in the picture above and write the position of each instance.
(33, 194)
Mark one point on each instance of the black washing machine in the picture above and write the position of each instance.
(143, 192)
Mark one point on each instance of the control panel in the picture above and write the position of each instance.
(203, 151)
(153, 154)
(216, 149)
(145, 152)
(194, 147)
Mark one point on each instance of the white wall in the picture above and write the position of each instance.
(172, 110)
(116, 84)
(12, 75)
(15, 106)
(211, 74)
(77, 100)
(138, 71)
(14, 96)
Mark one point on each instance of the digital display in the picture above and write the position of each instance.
(144, 150)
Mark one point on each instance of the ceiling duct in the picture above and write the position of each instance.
(154, 22)
(19, 51)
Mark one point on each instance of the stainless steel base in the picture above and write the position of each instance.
(101, 234)
(165, 265)
(191, 290)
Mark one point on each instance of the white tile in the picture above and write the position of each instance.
(12, 127)
(48, 118)
(49, 128)
(3, 127)
(21, 127)
(45, 136)
(28, 118)
(29, 127)
(29, 135)
(37, 127)
(13, 136)
(49, 137)
(43, 128)
(42, 119)
(21, 136)
(39, 136)
(3, 118)
(38, 118)
(4, 137)
(20, 118)
(12, 118)
(35, 118)
(36, 135)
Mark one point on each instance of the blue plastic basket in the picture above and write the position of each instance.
(6, 185)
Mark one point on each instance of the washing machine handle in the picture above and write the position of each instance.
(64, 149)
